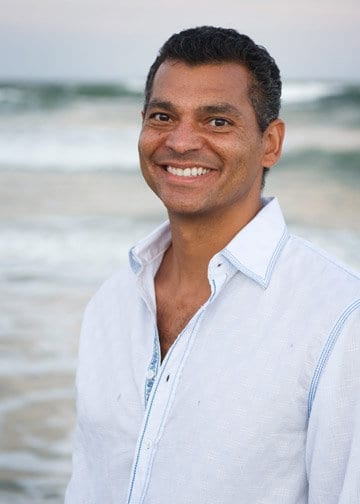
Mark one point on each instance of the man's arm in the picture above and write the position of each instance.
(333, 441)
(78, 490)
(79, 487)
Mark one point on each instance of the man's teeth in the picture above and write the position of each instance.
(187, 172)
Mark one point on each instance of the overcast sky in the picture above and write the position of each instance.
(115, 39)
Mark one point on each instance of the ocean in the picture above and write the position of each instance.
(71, 204)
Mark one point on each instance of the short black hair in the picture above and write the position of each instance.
(209, 44)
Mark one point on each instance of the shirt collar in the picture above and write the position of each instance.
(253, 251)
(150, 248)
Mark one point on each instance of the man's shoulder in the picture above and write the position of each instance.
(122, 278)
(319, 257)
(316, 265)
(114, 290)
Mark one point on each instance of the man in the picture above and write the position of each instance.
(223, 365)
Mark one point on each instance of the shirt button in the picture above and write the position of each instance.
(150, 374)
(148, 444)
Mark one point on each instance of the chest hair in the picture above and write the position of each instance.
(174, 313)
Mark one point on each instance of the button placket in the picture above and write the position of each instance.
(155, 416)
(150, 374)
(217, 274)
(152, 369)
(157, 409)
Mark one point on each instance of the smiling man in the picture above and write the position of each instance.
(222, 366)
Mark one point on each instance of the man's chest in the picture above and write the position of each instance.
(225, 406)
(170, 323)
(173, 313)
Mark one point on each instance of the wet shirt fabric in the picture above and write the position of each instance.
(258, 399)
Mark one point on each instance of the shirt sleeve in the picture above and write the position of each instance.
(333, 440)
(79, 489)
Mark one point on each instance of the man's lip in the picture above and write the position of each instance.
(183, 166)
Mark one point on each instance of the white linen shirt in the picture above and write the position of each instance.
(256, 402)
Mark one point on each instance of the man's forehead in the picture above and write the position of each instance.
(173, 73)
(214, 84)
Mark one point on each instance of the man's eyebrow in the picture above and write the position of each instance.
(164, 105)
(214, 109)
(221, 108)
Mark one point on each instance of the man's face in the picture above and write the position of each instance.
(201, 150)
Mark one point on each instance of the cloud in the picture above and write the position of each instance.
(101, 38)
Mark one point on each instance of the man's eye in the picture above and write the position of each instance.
(219, 121)
(159, 116)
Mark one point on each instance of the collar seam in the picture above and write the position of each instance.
(271, 265)
(141, 262)
(261, 280)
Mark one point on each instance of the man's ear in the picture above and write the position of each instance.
(142, 115)
(273, 138)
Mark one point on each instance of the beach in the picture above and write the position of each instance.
(49, 271)
(307, 196)
(68, 216)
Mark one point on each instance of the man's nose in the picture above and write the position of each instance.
(184, 137)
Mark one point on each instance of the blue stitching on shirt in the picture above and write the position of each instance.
(284, 238)
(263, 281)
(153, 366)
(193, 333)
(147, 420)
(167, 357)
(325, 354)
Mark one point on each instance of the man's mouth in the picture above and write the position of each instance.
(195, 171)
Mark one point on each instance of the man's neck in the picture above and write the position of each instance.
(181, 282)
(195, 240)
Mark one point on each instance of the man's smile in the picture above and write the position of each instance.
(200, 152)
(195, 171)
